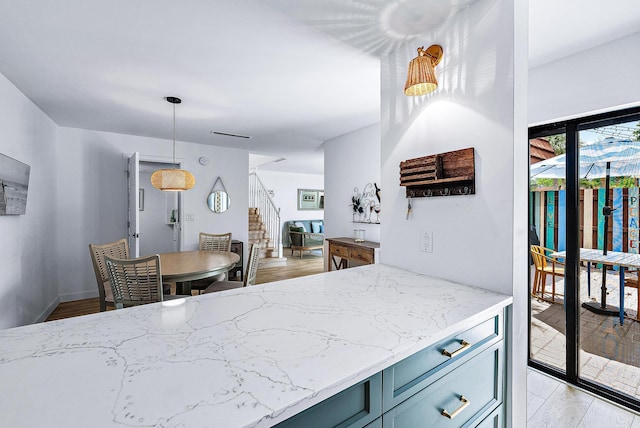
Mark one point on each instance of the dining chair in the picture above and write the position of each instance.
(212, 242)
(118, 249)
(545, 265)
(136, 281)
(249, 276)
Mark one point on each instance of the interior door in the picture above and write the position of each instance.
(134, 203)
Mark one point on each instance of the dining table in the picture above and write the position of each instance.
(611, 258)
(182, 267)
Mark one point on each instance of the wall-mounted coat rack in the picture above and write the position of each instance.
(444, 174)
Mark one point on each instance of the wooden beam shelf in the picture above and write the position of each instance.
(444, 174)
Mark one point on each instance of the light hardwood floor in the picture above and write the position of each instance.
(309, 264)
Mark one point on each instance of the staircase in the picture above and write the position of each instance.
(269, 253)
(264, 223)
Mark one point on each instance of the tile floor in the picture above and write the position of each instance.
(552, 403)
(609, 353)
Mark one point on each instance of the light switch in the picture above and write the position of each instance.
(426, 241)
(191, 217)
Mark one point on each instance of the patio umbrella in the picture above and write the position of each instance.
(603, 159)
(623, 157)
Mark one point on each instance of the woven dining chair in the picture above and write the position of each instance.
(136, 281)
(212, 242)
(249, 277)
(118, 249)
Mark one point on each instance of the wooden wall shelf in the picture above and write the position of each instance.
(444, 174)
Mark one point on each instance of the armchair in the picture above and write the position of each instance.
(305, 241)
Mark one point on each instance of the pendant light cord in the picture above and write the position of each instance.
(174, 136)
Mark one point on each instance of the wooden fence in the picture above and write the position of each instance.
(548, 214)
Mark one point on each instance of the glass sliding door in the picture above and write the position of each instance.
(584, 213)
(547, 220)
(609, 351)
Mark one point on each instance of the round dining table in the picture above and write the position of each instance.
(182, 267)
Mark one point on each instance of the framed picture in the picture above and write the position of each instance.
(310, 199)
(14, 184)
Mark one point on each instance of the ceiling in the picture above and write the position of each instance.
(290, 74)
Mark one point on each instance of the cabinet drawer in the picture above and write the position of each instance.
(339, 251)
(354, 407)
(362, 255)
(466, 394)
(414, 373)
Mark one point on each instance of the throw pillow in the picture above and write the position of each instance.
(300, 224)
(322, 228)
(315, 226)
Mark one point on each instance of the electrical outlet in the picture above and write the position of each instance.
(191, 217)
(426, 242)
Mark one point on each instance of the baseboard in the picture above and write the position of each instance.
(70, 297)
(49, 309)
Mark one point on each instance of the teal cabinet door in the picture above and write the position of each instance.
(354, 407)
(418, 371)
(459, 399)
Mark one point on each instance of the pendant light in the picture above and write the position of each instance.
(173, 180)
(421, 78)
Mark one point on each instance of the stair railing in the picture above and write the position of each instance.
(259, 198)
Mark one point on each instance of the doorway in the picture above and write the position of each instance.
(584, 197)
(154, 223)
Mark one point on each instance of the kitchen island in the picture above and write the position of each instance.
(248, 357)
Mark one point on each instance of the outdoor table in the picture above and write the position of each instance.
(612, 258)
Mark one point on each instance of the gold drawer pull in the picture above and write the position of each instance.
(464, 344)
(465, 402)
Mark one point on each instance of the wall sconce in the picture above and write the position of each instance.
(421, 78)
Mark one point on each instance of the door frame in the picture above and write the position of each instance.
(157, 160)
(571, 128)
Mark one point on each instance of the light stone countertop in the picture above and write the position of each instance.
(242, 358)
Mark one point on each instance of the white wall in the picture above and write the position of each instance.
(602, 78)
(285, 186)
(477, 238)
(28, 262)
(93, 197)
(352, 160)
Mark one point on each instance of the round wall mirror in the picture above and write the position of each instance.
(218, 201)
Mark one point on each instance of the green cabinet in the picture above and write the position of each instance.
(354, 407)
(462, 397)
(456, 382)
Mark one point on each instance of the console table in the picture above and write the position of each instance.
(347, 249)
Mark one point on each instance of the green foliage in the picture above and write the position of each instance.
(558, 142)
(636, 133)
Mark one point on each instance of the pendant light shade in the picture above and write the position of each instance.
(421, 78)
(173, 180)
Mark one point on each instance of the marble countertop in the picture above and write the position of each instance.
(242, 358)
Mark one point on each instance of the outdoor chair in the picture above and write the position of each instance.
(631, 280)
(545, 265)
(249, 277)
(136, 281)
(212, 242)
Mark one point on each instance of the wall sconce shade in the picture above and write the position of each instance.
(173, 180)
(421, 77)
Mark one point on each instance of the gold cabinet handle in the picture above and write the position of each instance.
(465, 402)
(465, 345)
